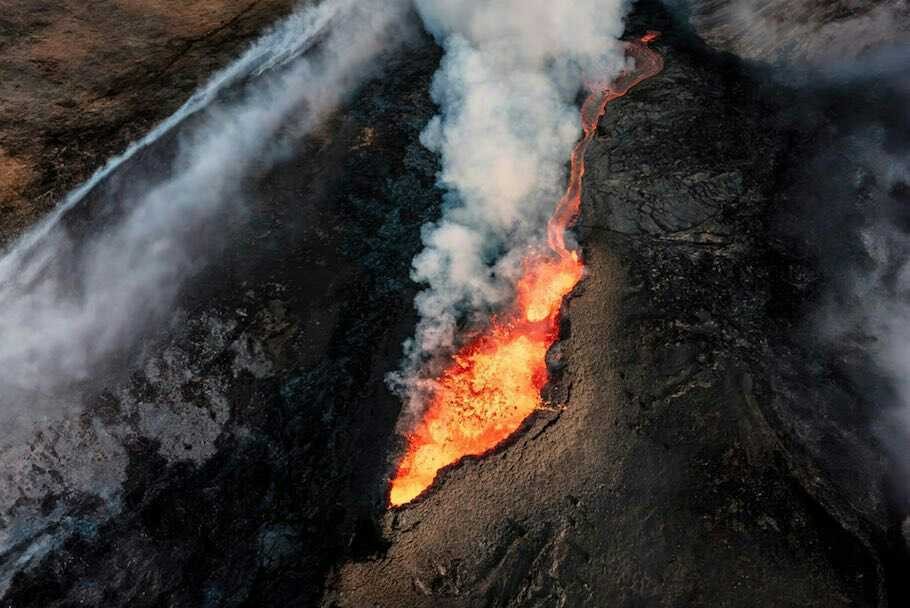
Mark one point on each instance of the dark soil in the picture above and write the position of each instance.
(701, 450)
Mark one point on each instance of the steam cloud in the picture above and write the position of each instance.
(506, 91)
(69, 304)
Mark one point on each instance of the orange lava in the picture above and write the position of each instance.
(494, 382)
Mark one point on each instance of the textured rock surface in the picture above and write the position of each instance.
(685, 462)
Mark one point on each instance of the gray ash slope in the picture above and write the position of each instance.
(690, 465)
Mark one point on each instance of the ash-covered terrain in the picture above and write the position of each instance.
(720, 426)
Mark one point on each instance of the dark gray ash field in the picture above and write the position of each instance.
(213, 370)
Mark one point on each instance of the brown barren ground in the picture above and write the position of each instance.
(79, 81)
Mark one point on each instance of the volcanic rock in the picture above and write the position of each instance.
(242, 458)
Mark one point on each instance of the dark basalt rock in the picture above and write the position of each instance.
(687, 458)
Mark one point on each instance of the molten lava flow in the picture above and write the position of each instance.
(495, 380)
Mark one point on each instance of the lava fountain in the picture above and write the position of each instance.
(494, 382)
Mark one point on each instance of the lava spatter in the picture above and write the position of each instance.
(494, 382)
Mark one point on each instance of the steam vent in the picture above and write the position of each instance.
(454, 304)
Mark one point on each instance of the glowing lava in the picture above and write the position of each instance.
(495, 380)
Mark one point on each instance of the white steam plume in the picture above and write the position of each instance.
(67, 307)
(506, 90)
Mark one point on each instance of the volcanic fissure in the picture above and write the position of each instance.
(494, 381)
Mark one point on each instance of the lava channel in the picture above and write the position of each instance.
(494, 382)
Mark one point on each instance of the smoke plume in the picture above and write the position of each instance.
(70, 302)
(508, 121)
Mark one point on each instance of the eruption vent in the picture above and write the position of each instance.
(494, 382)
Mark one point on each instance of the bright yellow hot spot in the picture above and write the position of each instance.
(489, 390)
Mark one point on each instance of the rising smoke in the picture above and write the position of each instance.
(506, 91)
(68, 303)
